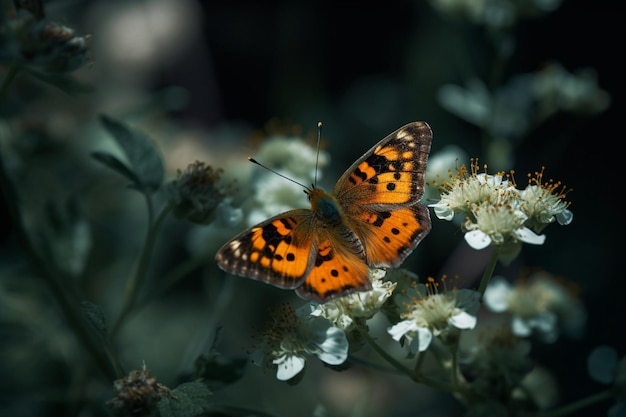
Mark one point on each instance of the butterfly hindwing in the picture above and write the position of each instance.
(389, 236)
(339, 268)
(276, 251)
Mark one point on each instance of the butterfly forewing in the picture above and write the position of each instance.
(276, 251)
(391, 172)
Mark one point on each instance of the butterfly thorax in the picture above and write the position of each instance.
(324, 206)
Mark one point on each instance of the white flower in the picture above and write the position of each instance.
(498, 224)
(429, 313)
(544, 202)
(343, 311)
(292, 336)
(467, 189)
(539, 305)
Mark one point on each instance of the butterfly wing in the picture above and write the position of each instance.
(276, 251)
(380, 195)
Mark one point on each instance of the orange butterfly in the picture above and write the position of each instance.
(373, 218)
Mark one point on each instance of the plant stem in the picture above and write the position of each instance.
(403, 369)
(136, 282)
(454, 369)
(491, 266)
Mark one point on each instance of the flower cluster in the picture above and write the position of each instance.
(499, 214)
(540, 305)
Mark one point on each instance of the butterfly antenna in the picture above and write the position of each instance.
(254, 161)
(317, 157)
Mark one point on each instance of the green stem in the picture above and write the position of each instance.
(403, 369)
(419, 361)
(14, 69)
(454, 371)
(575, 406)
(136, 282)
(489, 271)
(66, 296)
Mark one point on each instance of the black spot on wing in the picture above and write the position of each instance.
(380, 218)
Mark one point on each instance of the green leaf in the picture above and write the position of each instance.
(116, 165)
(144, 159)
(187, 400)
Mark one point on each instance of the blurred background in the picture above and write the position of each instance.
(209, 81)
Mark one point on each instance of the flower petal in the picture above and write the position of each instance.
(463, 320)
(496, 295)
(528, 236)
(334, 349)
(520, 327)
(565, 217)
(424, 336)
(477, 239)
(288, 366)
(400, 329)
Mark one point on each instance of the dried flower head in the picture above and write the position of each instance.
(137, 394)
(196, 193)
(41, 44)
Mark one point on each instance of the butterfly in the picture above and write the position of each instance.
(372, 219)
